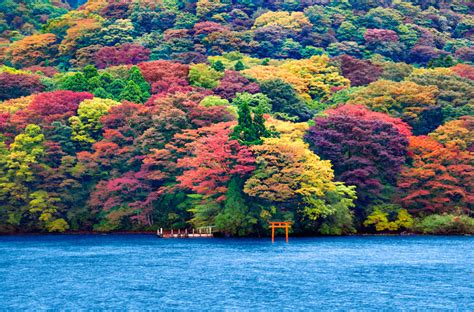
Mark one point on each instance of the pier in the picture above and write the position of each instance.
(204, 232)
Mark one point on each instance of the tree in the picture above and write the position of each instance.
(22, 164)
(296, 21)
(32, 50)
(44, 205)
(255, 101)
(456, 134)
(76, 82)
(366, 149)
(205, 8)
(127, 53)
(90, 72)
(212, 100)
(438, 180)
(464, 70)
(389, 217)
(284, 99)
(414, 103)
(164, 75)
(132, 93)
(214, 160)
(236, 218)
(289, 175)
(396, 71)
(312, 78)
(455, 94)
(50, 106)
(17, 85)
(218, 65)
(86, 127)
(250, 129)
(233, 83)
(359, 72)
(239, 66)
(120, 31)
(200, 75)
(136, 76)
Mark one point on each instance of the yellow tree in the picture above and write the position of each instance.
(14, 105)
(293, 21)
(86, 126)
(456, 134)
(32, 50)
(413, 103)
(311, 78)
(290, 175)
(80, 30)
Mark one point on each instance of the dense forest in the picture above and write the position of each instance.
(344, 116)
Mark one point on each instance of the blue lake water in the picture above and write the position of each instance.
(137, 272)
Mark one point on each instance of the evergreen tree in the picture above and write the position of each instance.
(137, 77)
(76, 82)
(93, 83)
(62, 134)
(106, 80)
(101, 93)
(239, 66)
(236, 217)
(132, 93)
(116, 88)
(250, 131)
(90, 71)
(219, 66)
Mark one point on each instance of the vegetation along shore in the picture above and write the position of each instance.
(342, 117)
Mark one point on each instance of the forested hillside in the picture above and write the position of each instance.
(342, 116)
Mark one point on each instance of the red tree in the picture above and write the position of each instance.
(17, 85)
(439, 180)
(48, 71)
(359, 72)
(215, 159)
(234, 82)
(464, 70)
(165, 76)
(125, 54)
(367, 149)
(50, 106)
(380, 35)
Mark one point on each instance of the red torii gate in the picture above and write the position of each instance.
(280, 225)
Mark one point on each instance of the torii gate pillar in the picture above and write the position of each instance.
(280, 225)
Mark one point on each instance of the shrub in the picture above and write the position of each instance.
(445, 224)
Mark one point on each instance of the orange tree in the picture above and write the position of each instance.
(439, 179)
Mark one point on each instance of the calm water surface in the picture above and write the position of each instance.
(139, 272)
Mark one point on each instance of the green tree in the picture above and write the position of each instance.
(43, 206)
(201, 75)
(219, 66)
(236, 218)
(250, 130)
(257, 100)
(116, 88)
(388, 217)
(90, 71)
(136, 76)
(132, 93)
(239, 66)
(21, 164)
(101, 93)
(76, 82)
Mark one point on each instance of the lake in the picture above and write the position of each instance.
(137, 272)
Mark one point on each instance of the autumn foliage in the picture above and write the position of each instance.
(340, 116)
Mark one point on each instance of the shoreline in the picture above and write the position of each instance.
(131, 233)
